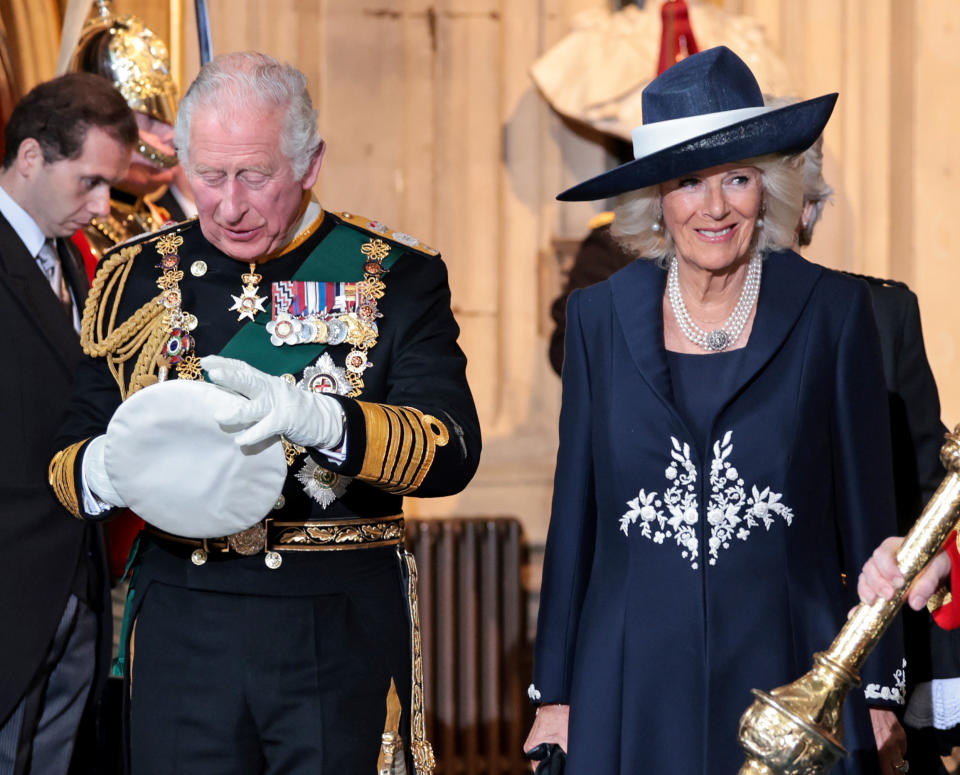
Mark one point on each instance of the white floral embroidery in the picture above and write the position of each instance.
(895, 693)
(680, 500)
(731, 513)
(533, 693)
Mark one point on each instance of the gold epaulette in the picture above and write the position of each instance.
(138, 338)
(381, 230)
(151, 236)
(401, 445)
(600, 220)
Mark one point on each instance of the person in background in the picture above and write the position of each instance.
(916, 436)
(134, 59)
(67, 141)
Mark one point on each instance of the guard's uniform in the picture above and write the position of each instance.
(289, 634)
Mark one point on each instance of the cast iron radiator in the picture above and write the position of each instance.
(476, 654)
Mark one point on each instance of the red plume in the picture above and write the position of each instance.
(676, 39)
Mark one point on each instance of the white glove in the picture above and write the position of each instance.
(95, 477)
(277, 407)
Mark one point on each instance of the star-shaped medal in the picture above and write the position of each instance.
(248, 303)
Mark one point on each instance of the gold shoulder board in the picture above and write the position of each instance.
(382, 230)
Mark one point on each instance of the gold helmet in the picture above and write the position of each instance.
(133, 57)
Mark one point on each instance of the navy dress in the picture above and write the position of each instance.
(690, 559)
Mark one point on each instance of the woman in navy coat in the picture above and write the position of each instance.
(724, 452)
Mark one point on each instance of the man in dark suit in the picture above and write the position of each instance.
(66, 141)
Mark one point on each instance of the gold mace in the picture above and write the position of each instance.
(798, 728)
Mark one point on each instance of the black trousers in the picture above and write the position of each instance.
(266, 684)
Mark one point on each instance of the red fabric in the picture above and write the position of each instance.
(89, 259)
(948, 615)
(676, 36)
(121, 533)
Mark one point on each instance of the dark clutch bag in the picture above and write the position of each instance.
(553, 760)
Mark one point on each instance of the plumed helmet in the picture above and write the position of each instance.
(133, 57)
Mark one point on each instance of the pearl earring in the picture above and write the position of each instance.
(763, 209)
(656, 226)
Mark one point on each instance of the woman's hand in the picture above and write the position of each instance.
(891, 741)
(881, 577)
(550, 726)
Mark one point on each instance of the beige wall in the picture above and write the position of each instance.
(892, 146)
(435, 128)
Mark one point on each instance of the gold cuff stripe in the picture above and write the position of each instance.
(60, 474)
(939, 599)
(401, 445)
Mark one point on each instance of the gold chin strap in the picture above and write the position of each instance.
(155, 155)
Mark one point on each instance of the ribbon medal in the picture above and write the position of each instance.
(309, 312)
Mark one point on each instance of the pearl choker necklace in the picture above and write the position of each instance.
(721, 338)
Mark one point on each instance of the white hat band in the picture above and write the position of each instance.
(650, 138)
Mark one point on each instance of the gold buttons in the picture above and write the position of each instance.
(273, 560)
(281, 502)
(198, 557)
(198, 268)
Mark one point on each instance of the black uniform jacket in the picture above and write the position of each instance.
(416, 363)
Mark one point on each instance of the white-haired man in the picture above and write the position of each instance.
(261, 650)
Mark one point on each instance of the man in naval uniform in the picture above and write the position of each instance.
(291, 645)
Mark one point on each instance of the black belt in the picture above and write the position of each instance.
(272, 537)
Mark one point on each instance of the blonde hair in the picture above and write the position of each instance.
(781, 178)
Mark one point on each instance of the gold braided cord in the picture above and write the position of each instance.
(148, 345)
(142, 334)
(424, 762)
(60, 474)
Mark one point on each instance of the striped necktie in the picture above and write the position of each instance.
(49, 263)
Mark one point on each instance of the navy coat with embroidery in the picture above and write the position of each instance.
(658, 615)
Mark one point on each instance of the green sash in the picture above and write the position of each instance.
(336, 259)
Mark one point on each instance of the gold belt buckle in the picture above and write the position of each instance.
(250, 541)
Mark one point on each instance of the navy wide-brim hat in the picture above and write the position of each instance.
(703, 111)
